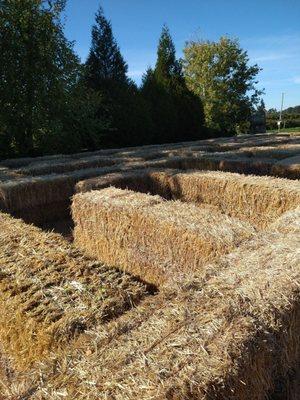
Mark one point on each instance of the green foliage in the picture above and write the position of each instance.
(105, 66)
(122, 105)
(38, 77)
(176, 112)
(290, 118)
(219, 74)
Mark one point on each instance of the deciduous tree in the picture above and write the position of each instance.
(220, 75)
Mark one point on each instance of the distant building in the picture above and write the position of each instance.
(258, 122)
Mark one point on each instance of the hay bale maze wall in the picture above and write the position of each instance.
(153, 239)
(50, 292)
(233, 336)
(257, 200)
(222, 248)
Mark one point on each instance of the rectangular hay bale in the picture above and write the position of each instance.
(257, 200)
(287, 168)
(153, 239)
(50, 292)
(235, 336)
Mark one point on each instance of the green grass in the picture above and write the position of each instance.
(297, 129)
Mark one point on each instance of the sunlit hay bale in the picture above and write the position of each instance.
(152, 181)
(153, 239)
(287, 168)
(42, 199)
(61, 166)
(278, 152)
(235, 336)
(50, 292)
(289, 222)
(257, 200)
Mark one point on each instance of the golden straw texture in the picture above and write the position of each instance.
(153, 239)
(50, 292)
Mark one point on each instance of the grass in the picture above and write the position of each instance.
(296, 129)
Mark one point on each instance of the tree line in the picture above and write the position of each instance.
(50, 102)
(290, 117)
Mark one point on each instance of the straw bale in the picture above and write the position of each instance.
(288, 168)
(61, 166)
(289, 222)
(278, 152)
(149, 180)
(50, 292)
(21, 162)
(8, 174)
(39, 199)
(235, 336)
(257, 200)
(153, 239)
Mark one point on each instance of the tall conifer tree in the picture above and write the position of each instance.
(105, 64)
(123, 105)
(177, 113)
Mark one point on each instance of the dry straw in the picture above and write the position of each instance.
(289, 222)
(153, 239)
(288, 168)
(278, 152)
(257, 200)
(50, 292)
(234, 336)
(61, 166)
(44, 198)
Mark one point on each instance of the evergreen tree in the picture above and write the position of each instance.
(123, 105)
(177, 113)
(105, 65)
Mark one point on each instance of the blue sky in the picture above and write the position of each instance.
(268, 29)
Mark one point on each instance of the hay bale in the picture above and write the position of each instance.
(8, 174)
(278, 152)
(257, 200)
(153, 239)
(235, 336)
(289, 222)
(149, 180)
(50, 292)
(42, 199)
(287, 168)
(21, 162)
(53, 167)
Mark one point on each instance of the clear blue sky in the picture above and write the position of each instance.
(268, 29)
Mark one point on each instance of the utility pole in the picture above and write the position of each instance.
(280, 115)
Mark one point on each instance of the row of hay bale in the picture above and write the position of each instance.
(62, 166)
(41, 165)
(50, 292)
(44, 198)
(256, 200)
(153, 239)
(232, 336)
